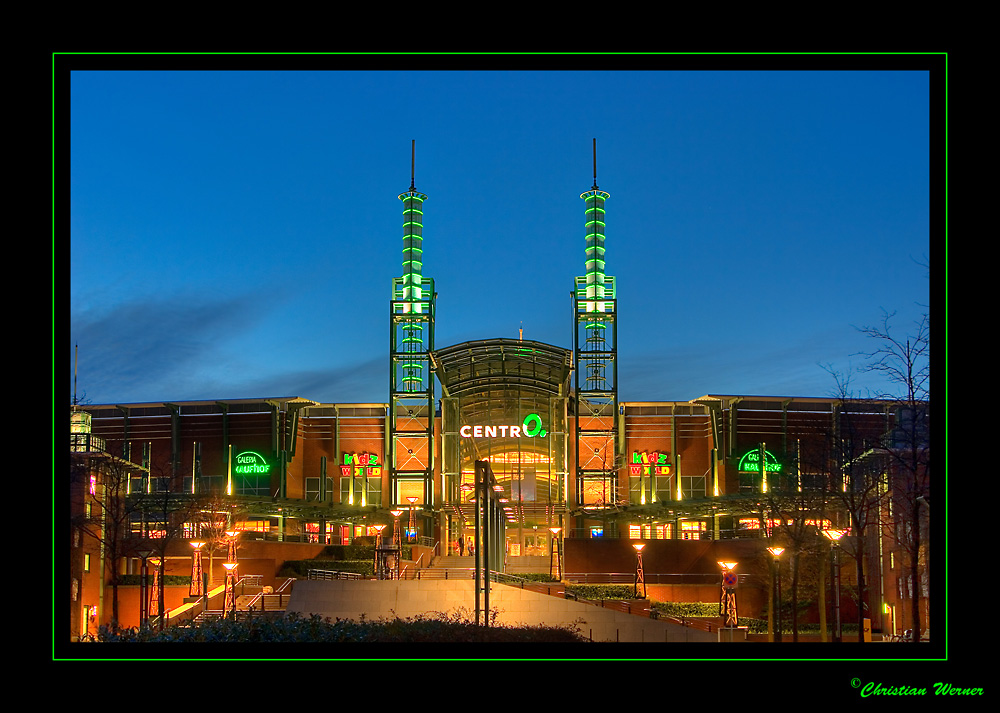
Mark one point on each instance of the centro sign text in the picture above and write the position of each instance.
(532, 427)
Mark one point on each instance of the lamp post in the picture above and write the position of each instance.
(379, 552)
(639, 577)
(155, 561)
(411, 530)
(397, 542)
(143, 599)
(230, 600)
(232, 538)
(727, 604)
(834, 537)
(197, 580)
(775, 623)
(554, 549)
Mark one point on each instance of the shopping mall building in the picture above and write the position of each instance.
(564, 450)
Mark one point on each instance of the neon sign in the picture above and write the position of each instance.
(750, 462)
(531, 427)
(654, 463)
(249, 462)
(361, 464)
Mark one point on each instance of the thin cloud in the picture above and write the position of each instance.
(131, 351)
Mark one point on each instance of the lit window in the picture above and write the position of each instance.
(86, 563)
(598, 491)
(692, 529)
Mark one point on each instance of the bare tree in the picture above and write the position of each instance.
(858, 478)
(904, 362)
(166, 511)
(796, 512)
(215, 515)
(102, 509)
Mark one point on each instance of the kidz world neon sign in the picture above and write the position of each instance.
(654, 463)
(531, 428)
(363, 464)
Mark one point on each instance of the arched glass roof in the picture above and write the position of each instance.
(500, 364)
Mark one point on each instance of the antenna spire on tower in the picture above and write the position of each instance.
(595, 164)
(413, 159)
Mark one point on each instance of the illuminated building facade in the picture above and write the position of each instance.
(565, 451)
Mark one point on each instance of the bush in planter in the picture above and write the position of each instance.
(169, 580)
(687, 609)
(300, 568)
(535, 577)
(603, 591)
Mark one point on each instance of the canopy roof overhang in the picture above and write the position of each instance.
(482, 366)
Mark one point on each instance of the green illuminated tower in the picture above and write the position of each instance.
(596, 362)
(411, 382)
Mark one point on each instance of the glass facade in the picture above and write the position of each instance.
(506, 404)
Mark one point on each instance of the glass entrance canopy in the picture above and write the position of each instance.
(505, 401)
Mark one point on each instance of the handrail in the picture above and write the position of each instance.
(261, 598)
(629, 578)
(330, 574)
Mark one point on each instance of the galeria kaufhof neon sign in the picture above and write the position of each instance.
(249, 462)
(750, 462)
(531, 428)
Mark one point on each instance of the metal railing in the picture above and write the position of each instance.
(271, 601)
(441, 573)
(330, 574)
(629, 578)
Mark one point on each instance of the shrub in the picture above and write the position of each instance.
(687, 609)
(300, 568)
(603, 591)
(169, 580)
(454, 628)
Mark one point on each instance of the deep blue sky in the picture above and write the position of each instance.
(234, 233)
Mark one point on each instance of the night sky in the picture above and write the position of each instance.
(233, 233)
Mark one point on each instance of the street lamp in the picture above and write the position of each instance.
(727, 603)
(379, 552)
(232, 537)
(554, 549)
(197, 580)
(156, 562)
(230, 600)
(776, 590)
(397, 543)
(834, 537)
(143, 599)
(639, 578)
(411, 530)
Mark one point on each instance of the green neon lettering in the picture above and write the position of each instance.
(535, 427)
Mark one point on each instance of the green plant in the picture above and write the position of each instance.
(603, 591)
(169, 580)
(456, 627)
(687, 609)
